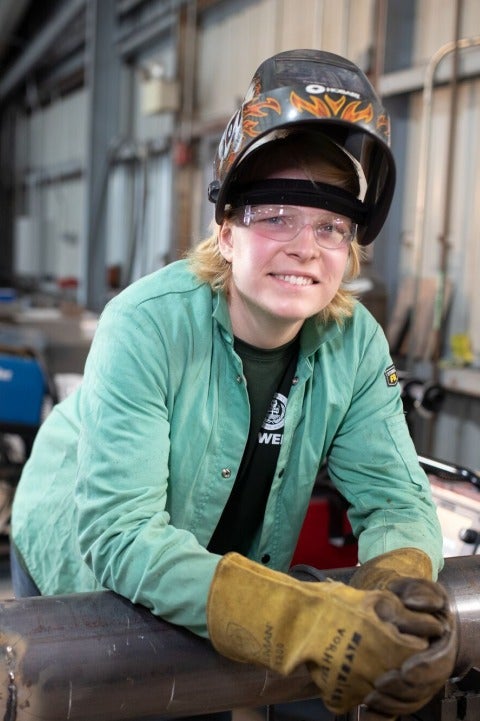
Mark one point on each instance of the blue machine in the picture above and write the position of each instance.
(24, 381)
(22, 390)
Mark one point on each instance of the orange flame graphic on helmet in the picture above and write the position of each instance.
(354, 111)
(254, 110)
(383, 125)
(315, 106)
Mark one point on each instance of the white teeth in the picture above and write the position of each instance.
(296, 279)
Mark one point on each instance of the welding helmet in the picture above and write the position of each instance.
(309, 91)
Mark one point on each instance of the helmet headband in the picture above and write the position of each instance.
(287, 191)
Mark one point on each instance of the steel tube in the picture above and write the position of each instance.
(461, 578)
(97, 657)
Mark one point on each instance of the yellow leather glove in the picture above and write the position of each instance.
(346, 637)
(407, 573)
(403, 691)
(401, 563)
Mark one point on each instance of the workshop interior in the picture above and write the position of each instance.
(110, 115)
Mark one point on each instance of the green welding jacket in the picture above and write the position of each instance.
(129, 475)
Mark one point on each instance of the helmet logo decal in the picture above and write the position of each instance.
(316, 89)
(231, 138)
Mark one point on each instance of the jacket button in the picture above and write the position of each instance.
(226, 472)
(265, 558)
(294, 381)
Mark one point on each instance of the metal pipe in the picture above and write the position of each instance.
(96, 656)
(93, 656)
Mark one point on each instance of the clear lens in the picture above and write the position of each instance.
(284, 223)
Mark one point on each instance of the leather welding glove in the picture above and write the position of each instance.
(346, 637)
(404, 691)
(400, 563)
(407, 573)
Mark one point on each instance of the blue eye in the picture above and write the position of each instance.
(326, 228)
(274, 220)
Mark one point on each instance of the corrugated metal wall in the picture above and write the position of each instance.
(232, 43)
(464, 239)
(433, 30)
(443, 216)
(435, 23)
(50, 151)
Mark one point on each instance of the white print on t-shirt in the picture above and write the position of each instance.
(274, 421)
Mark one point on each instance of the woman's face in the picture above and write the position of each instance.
(275, 286)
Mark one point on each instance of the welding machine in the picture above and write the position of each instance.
(22, 390)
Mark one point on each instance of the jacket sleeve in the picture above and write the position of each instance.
(374, 464)
(121, 493)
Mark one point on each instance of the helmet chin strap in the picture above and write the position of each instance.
(287, 191)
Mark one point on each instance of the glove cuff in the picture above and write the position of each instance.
(248, 604)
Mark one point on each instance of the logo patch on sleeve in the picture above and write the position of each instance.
(391, 376)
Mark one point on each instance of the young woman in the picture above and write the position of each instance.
(179, 474)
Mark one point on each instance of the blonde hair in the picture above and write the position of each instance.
(321, 160)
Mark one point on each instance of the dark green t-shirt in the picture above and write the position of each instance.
(269, 376)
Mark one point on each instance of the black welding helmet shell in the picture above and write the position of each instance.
(311, 90)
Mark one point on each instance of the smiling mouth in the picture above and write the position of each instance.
(295, 279)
